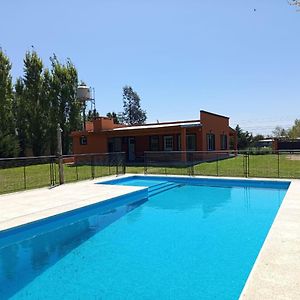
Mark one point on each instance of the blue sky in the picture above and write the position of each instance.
(180, 56)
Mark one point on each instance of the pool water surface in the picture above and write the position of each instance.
(185, 241)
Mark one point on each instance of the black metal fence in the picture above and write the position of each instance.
(254, 163)
(33, 172)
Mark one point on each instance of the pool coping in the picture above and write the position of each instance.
(276, 271)
(19, 209)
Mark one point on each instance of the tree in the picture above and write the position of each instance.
(280, 132)
(244, 138)
(92, 114)
(295, 2)
(113, 116)
(133, 113)
(36, 104)
(20, 116)
(8, 141)
(294, 132)
(65, 109)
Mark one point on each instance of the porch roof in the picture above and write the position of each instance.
(156, 126)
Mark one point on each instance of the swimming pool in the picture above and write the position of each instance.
(190, 239)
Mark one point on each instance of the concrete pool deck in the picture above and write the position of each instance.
(276, 272)
(28, 206)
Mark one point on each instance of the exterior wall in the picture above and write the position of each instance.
(215, 124)
(96, 143)
(100, 138)
(275, 145)
(141, 145)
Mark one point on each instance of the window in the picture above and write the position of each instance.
(210, 142)
(83, 140)
(117, 144)
(168, 143)
(179, 142)
(191, 142)
(223, 141)
(154, 143)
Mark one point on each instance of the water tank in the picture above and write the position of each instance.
(83, 93)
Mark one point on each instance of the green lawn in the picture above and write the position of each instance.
(12, 179)
(259, 166)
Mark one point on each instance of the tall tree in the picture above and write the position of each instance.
(21, 116)
(65, 109)
(133, 113)
(36, 106)
(8, 140)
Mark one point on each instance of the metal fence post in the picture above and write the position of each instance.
(24, 176)
(278, 164)
(145, 163)
(92, 167)
(60, 158)
(248, 164)
(217, 164)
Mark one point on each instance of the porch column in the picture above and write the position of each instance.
(183, 143)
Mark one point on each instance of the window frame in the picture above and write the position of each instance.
(211, 141)
(170, 138)
(154, 147)
(224, 142)
(83, 140)
(187, 142)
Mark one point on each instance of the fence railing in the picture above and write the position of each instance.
(258, 163)
(33, 172)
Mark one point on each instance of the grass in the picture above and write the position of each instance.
(259, 166)
(12, 179)
(35, 176)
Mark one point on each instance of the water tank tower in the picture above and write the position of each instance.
(83, 93)
(86, 94)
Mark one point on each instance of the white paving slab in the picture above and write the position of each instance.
(23, 207)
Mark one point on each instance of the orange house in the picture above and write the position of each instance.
(211, 132)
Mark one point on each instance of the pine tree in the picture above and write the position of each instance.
(133, 113)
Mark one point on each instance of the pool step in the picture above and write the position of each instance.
(162, 187)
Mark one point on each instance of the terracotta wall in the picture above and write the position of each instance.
(96, 143)
(141, 145)
(215, 124)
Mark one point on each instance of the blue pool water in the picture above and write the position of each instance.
(188, 240)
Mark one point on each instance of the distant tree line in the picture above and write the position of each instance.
(32, 106)
(289, 133)
(247, 140)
